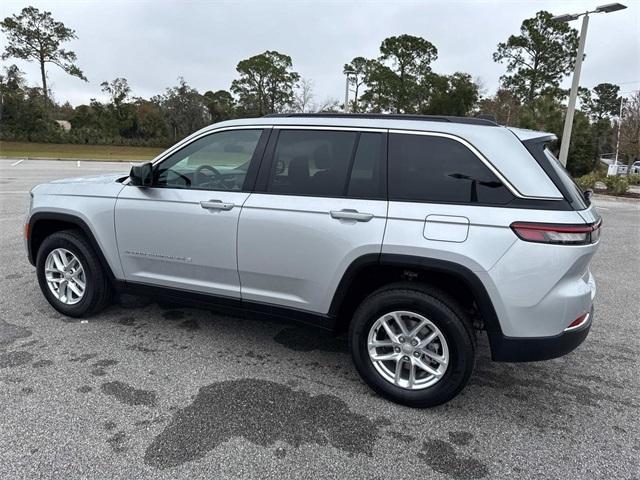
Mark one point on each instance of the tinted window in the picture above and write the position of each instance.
(216, 162)
(429, 168)
(319, 163)
(367, 179)
(577, 197)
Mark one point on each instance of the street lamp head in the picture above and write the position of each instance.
(610, 7)
(567, 17)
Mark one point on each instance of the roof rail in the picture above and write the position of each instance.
(388, 116)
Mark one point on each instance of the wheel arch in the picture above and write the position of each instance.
(369, 272)
(43, 224)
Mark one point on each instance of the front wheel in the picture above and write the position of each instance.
(70, 274)
(412, 344)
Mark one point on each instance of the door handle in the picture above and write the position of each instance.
(216, 205)
(350, 214)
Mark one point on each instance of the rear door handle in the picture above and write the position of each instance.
(350, 214)
(216, 205)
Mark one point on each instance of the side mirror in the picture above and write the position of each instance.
(141, 175)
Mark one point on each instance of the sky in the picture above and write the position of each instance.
(152, 43)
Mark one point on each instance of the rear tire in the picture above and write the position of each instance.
(424, 379)
(96, 294)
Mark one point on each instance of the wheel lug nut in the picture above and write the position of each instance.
(406, 359)
(416, 354)
(401, 339)
(414, 343)
(397, 349)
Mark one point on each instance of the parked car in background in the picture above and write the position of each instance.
(414, 234)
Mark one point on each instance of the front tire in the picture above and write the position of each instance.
(412, 344)
(70, 275)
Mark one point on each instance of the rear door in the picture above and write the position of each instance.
(181, 232)
(444, 202)
(320, 203)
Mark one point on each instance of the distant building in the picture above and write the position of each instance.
(64, 124)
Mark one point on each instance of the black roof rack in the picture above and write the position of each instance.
(390, 116)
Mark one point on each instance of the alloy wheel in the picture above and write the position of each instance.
(408, 350)
(65, 276)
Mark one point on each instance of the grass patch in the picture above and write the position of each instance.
(84, 152)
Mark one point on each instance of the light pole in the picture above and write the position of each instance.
(571, 107)
(346, 90)
(622, 99)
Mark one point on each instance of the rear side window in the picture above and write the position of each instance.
(577, 197)
(327, 164)
(436, 169)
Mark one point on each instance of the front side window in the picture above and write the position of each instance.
(327, 164)
(215, 162)
(437, 169)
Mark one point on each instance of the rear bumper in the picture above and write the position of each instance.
(532, 349)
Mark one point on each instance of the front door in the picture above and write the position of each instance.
(181, 232)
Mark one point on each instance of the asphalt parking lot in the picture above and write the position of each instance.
(148, 390)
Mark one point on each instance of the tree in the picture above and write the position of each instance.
(303, 97)
(118, 90)
(221, 105)
(582, 154)
(382, 88)
(183, 109)
(399, 80)
(266, 83)
(602, 102)
(410, 59)
(357, 71)
(455, 94)
(504, 106)
(539, 57)
(35, 36)
(630, 128)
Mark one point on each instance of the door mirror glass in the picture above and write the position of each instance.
(142, 175)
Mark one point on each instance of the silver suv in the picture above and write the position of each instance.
(413, 233)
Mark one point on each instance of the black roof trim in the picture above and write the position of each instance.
(384, 116)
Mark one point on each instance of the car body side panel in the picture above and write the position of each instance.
(536, 289)
(165, 237)
(292, 252)
(93, 203)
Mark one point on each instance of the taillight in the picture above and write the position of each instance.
(26, 231)
(558, 234)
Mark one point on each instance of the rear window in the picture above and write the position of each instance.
(577, 196)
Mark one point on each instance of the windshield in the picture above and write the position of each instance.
(577, 196)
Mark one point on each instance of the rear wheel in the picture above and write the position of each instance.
(412, 344)
(70, 274)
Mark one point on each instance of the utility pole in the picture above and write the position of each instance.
(615, 162)
(571, 108)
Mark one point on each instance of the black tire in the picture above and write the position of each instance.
(97, 294)
(448, 317)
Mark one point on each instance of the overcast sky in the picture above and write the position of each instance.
(151, 43)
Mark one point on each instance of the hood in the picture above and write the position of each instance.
(93, 179)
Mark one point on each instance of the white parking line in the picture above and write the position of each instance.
(78, 164)
(14, 164)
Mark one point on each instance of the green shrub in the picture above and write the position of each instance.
(616, 185)
(588, 181)
(634, 179)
